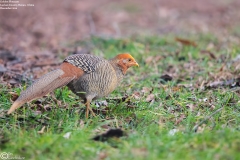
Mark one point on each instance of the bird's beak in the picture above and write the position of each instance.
(135, 64)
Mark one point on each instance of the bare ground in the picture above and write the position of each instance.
(31, 36)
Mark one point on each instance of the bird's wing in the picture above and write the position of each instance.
(87, 62)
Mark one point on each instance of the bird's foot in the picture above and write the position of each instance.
(93, 114)
(88, 108)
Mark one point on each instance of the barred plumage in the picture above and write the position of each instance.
(88, 76)
(96, 84)
(86, 62)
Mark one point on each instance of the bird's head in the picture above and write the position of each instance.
(126, 61)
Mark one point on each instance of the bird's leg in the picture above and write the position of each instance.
(88, 108)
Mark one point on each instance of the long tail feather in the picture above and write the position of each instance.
(41, 87)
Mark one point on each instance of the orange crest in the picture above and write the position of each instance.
(124, 56)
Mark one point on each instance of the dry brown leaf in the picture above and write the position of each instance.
(136, 95)
(179, 120)
(212, 107)
(191, 106)
(186, 42)
(14, 96)
(150, 97)
(210, 54)
(47, 107)
(146, 90)
(175, 89)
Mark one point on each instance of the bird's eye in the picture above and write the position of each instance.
(129, 60)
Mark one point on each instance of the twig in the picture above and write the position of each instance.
(205, 119)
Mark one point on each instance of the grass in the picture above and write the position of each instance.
(160, 129)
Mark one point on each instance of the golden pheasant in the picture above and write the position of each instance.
(88, 76)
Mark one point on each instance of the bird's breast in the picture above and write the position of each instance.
(97, 84)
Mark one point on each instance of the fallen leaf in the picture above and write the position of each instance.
(210, 54)
(186, 42)
(150, 97)
(212, 107)
(191, 106)
(14, 96)
(136, 95)
(175, 89)
(47, 107)
(179, 120)
(146, 90)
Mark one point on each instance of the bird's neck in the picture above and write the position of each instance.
(120, 70)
